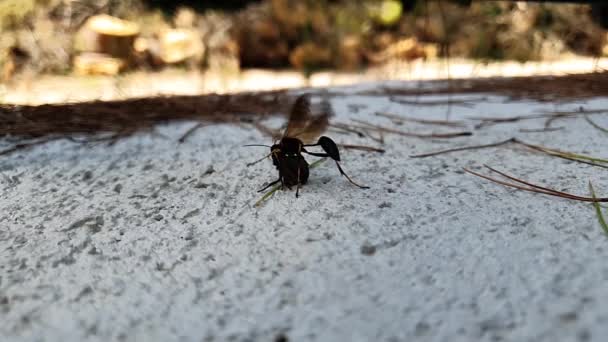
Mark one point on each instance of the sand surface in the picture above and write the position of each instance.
(151, 240)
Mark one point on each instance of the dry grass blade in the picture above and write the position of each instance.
(347, 128)
(422, 121)
(379, 139)
(489, 121)
(579, 158)
(465, 148)
(571, 114)
(370, 126)
(450, 102)
(598, 210)
(530, 184)
(540, 130)
(267, 195)
(509, 184)
(123, 118)
(362, 148)
(361, 131)
(133, 114)
(533, 187)
(26, 145)
(550, 117)
(539, 88)
(578, 112)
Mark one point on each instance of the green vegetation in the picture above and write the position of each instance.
(14, 12)
(309, 35)
(598, 210)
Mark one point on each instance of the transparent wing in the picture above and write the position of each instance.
(299, 117)
(307, 122)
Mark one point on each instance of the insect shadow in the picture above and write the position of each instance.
(304, 126)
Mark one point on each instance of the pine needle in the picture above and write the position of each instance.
(580, 158)
(595, 125)
(533, 187)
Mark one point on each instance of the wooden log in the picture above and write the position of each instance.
(91, 63)
(107, 35)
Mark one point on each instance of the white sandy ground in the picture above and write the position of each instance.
(150, 240)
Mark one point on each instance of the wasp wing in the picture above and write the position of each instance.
(299, 117)
(307, 122)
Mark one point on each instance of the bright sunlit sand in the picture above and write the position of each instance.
(57, 89)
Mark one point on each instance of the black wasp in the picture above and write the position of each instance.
(302, 128)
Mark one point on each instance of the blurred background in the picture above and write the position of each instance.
(72, 50)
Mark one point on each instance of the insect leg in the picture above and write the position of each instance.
(259, 160)
(350, 180)
(329, 146)
(271, 184)
(298, 185)
(339, 168)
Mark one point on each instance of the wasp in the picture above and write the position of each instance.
(305, 124)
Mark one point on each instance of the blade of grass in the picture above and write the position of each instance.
(562, 154)
(267, 195)
(598, 210)
(317, 163)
